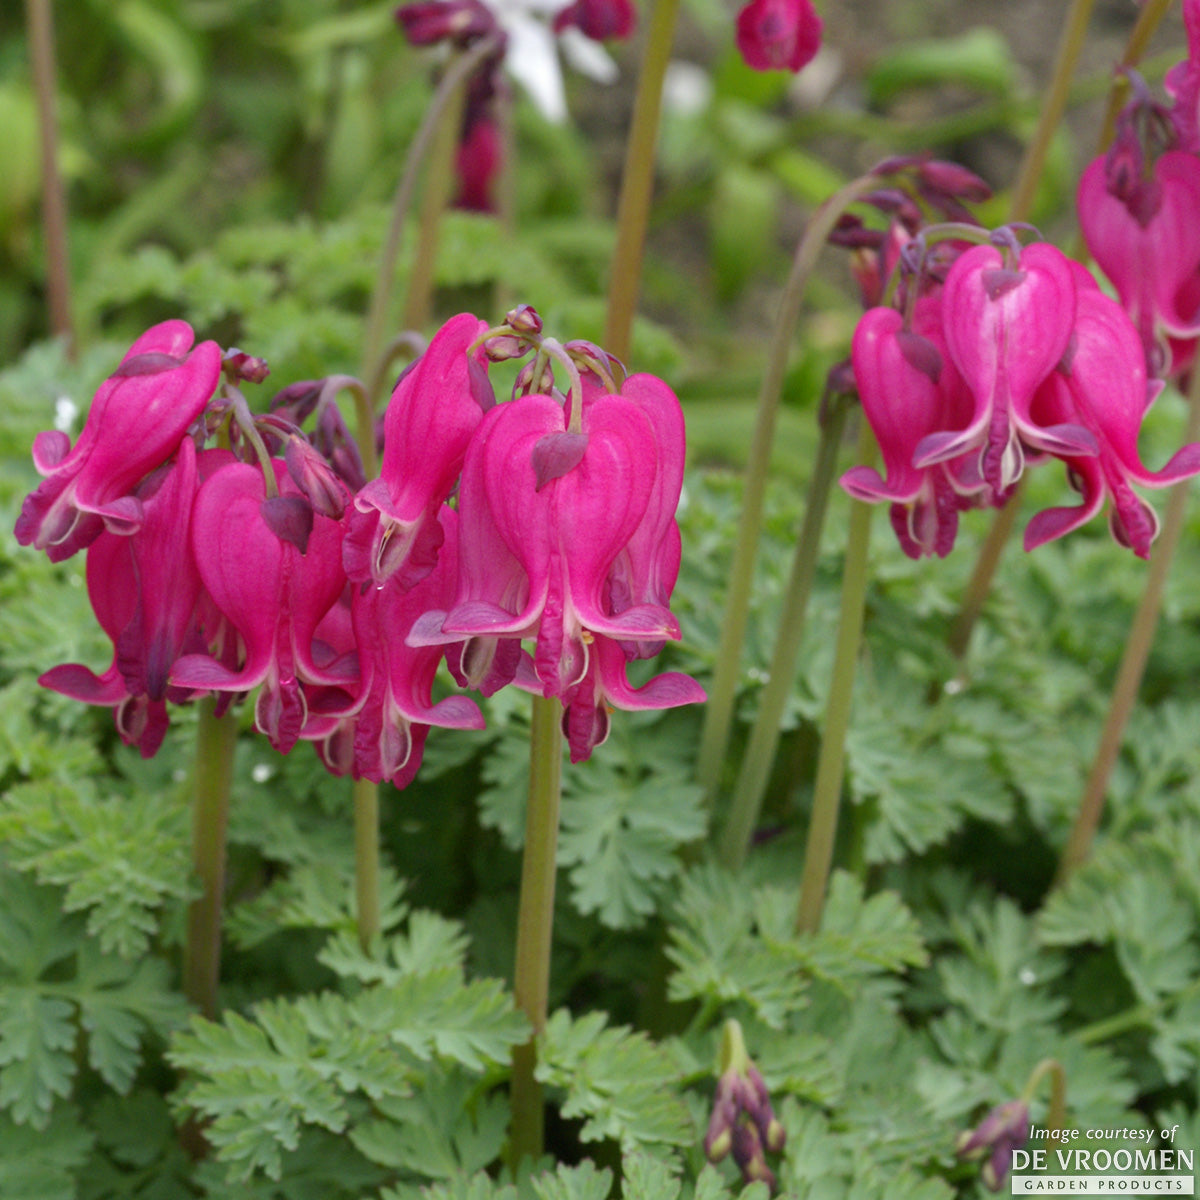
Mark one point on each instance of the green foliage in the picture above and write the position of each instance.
(63, 1000)
(614, 1078)
(119, 858)
(233, 164)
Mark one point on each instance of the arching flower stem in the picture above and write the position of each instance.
(718, 714)
(764, 738)
(451, 84)
(637, 180)
(827, 792)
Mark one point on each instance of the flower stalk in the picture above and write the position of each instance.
(822, 829)
(535, 919)
(450, 86)
(216, 740)
(439, 177)
(39, 19)
(1056, 1111)
(764, 738)
(637, 180)
(718, 714)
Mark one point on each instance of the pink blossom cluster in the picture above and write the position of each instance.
(1139, 210)
(994, 355)
(270, 563)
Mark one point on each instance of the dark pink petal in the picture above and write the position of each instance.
(1005, 340)
(135, 423)
(1153, 266)
(428, 426)
(778, 35)
(601, 20)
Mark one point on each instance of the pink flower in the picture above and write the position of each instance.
(910, 390)
(1151, 253)
(555, 523)
(478, 164)
(778, 35)
(435, 409)
(1006, 328)
(271, 594)
(601, 20)
(1105, 389)
(1183, 84)
(144, 590)
(382, 735)
(135, 424)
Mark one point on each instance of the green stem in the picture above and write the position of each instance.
(535, 921)
(364, 415)
(1070, 47)
(216, 739)
(1056, 1110)
(39, 19)
(637, 180)
(827, 792)
(764, 739)
(366, 860)
(718, 712)
(377, 315)
(418, 298)
(980, 583)
(1132, 1018)
(1133, 665)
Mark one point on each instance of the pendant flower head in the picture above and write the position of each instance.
(136, 421)
(1007, 325)
(435, 409)
(910, 390)
(568, 537)
(382, 736)
(1105, 390)
(1151, 252)
(145, 590)
(271, 593)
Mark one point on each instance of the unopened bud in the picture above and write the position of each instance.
(315, 478)
(524, 319)
(238, 365)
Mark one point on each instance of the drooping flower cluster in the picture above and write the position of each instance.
(1004, 1130)
(743, 1122)
(271, 564)
(1139, 210)
(1009, 355)
(525, 45)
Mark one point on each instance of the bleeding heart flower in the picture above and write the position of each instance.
(1007, 325)
(910, 390)
(383, 735)
(1183, 83)
(1152, 256)
(144, 590)
(435, 409)
(271, 593)
(135, 424)
(1105, 389)
(568, 536)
